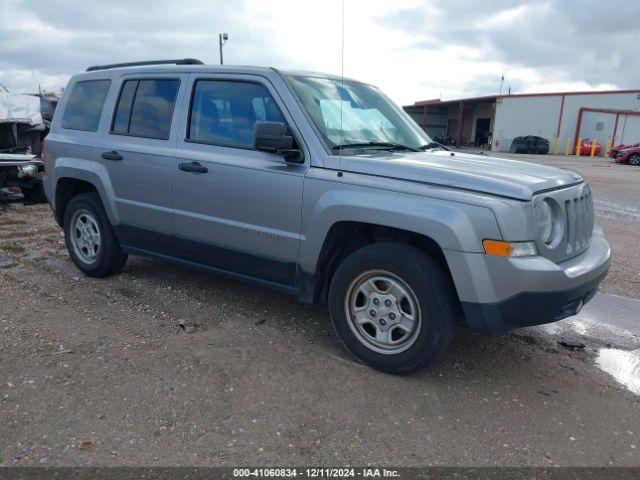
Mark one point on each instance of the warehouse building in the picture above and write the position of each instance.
(564, 118)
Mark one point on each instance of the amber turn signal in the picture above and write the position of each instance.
(509, 249)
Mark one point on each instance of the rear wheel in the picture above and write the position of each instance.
(393, 307)
(634, 160)
(90, 239)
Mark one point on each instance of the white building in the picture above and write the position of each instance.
(605, 115)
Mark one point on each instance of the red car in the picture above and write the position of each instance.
(626, 153)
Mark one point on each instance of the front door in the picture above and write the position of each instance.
(236, 209)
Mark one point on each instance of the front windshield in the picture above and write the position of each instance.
(368, 118)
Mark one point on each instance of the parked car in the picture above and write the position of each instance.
(626, 154)
(530, 144)
(21, 132)
(253, 173)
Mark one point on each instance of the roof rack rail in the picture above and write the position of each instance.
(181, 61)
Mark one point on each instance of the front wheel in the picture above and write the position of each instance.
(634, 160)
(90, 239)
(393, 307)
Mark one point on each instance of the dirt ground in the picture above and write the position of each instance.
(162, 365)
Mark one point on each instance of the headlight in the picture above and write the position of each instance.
(544, 221)
(549, 221)
(25, 171)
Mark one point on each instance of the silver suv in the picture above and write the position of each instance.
(322, 188)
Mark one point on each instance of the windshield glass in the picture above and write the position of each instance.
(369, 118)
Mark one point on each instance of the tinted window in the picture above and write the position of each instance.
(225, 113)
(85, 105)
(145, 108)
(123, 110)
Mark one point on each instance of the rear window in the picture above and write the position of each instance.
(145, 108)
(85, 105)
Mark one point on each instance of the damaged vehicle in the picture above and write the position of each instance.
(22, 130)
(320, 187)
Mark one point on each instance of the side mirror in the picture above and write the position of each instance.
(272, 137)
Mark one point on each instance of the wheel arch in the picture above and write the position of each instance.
(74, 179)
(66, 189)
(345, 237)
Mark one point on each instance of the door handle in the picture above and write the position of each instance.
(111, 155)
(193, 167)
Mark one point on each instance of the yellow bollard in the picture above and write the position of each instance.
(607, 148)
(579, 147)
(556, 147)
(567, 149)
(594, 144)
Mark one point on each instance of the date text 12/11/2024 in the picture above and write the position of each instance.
(367, 472)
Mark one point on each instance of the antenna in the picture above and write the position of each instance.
(501, 82)
(342, 89)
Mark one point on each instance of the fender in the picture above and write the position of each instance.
(94, 173)
(452, 225)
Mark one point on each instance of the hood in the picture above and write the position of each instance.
(19, 108)
(480, 173)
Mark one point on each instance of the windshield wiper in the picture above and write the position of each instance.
(381, 145)
(433, 146)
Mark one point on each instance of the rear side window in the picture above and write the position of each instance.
(225, 112)
(85, 105)
(145, 108)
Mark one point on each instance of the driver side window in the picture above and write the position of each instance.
(225, 112)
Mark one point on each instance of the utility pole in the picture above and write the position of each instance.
(501, 82)
(222, 39)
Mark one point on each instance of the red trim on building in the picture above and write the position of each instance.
(615, 130)
(600, 110)
(560, 117)
(577, 132)
(520, 95)
(459, 132)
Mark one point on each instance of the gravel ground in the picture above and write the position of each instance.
(161, 365)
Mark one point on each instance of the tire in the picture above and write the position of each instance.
(434, 304)
(33, 193)
(634, 160)
(85, 213)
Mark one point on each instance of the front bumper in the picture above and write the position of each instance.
(20, 169)
(499, 294)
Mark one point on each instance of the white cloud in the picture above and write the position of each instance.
(411, 49)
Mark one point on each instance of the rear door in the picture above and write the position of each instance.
(241, 210)
(138, 153)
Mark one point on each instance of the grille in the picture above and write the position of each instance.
(579, 216)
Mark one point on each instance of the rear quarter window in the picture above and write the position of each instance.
(145, 108)
(85, 105)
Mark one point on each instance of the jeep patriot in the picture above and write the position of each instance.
(323, 188)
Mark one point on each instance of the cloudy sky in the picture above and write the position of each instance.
(411, 49)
